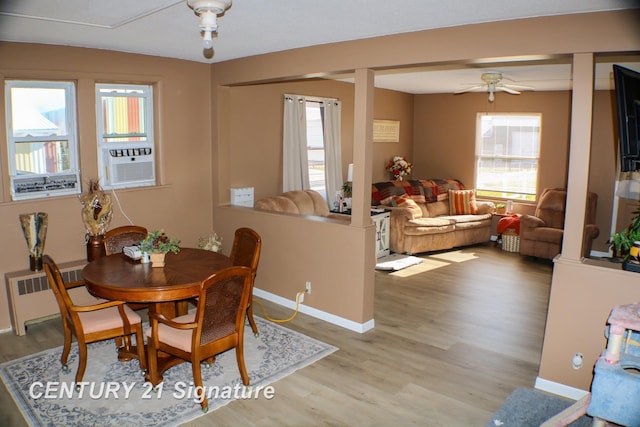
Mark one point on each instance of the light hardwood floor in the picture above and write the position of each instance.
(453, 337)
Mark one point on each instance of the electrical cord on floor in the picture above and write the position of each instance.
(295, 313)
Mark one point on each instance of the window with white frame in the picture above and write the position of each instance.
(42, 138)
(126, 146)
(315, 148)
(507, 155)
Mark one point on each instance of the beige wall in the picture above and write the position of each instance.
(445, 133)
(181, 205)
(390, 105)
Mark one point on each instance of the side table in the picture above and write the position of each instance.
(381, 220)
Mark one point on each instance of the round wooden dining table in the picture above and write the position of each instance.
(166, 289)
(118, 277)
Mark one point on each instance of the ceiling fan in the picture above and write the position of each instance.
(492, 82)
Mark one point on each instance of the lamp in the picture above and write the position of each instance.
(208, 11)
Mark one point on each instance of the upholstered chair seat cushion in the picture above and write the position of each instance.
(179, 338)
(108, 318)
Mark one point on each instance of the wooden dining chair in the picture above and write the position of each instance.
(246, 252)
(91, 323)
(217, 325)
(120, 237)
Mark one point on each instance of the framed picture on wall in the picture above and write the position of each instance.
(386, 130)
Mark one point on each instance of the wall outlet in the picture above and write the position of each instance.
(308, 288)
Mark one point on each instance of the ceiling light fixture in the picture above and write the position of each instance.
(492, 83)
(208, 11)
(491, 80)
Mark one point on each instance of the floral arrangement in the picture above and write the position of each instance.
(158, 241)
(211, 243)
(96, 209)
(399, 167)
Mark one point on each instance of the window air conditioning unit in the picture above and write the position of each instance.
(129, 166)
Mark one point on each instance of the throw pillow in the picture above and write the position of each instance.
(405, 202)
(462, 202)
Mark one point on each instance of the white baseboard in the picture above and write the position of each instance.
(318, 314)
(559, 389)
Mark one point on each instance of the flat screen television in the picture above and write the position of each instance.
(627, 84)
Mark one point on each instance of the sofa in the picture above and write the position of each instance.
(432, 215)
(298, 202)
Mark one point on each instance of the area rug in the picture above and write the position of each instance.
(395, 262)
(115, 393)
(529, 408)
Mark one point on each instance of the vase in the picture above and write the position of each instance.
(157, 259)
(34, 228)
(95, 247)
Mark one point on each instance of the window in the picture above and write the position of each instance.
(126, 148)
(315, 148)
(507, 155)
(41, 138)
(311, 155)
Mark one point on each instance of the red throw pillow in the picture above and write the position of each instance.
(462, 202)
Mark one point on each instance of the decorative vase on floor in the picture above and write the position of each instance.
(34, 228)
(157, 259)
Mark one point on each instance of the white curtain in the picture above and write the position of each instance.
(295, 173)
(332, 146)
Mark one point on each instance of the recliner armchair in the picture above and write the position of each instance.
(541, 234)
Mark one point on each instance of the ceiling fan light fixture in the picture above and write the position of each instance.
(208, 11)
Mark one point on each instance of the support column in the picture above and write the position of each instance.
(362, 147)
(579, 154)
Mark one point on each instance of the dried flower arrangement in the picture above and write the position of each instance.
(96, 209)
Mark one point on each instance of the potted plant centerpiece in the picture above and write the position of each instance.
(157, 244)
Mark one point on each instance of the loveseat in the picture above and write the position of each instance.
(431, 215)
(298, 202)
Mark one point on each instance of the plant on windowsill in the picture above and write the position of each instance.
(157, 244)
(501, 208)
